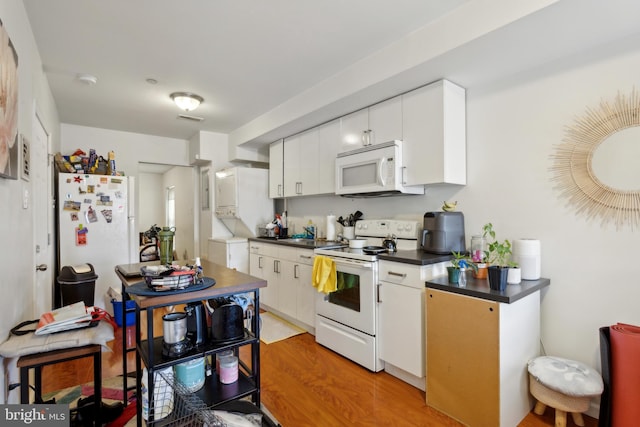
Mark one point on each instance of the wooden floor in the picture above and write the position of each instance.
(305, 384)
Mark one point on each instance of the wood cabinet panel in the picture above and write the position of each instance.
(463, 359)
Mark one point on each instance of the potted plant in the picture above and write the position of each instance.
(459, 262)
(514, 276)
(498, 255)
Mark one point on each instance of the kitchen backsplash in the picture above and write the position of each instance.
(301, 210)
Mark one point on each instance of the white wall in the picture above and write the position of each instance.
(151, 201)
(17, 255)
(512, 128)
(183, 181)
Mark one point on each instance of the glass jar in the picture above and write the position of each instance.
(478, 248)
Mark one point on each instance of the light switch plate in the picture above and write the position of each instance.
(25, 199)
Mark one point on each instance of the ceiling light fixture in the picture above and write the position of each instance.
(186, 101)
(87, 79)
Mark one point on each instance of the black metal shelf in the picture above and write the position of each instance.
(213, 393)
(160, 361)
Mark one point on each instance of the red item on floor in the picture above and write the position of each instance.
(107, 393)
(625, 375)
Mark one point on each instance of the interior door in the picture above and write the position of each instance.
(41, 176)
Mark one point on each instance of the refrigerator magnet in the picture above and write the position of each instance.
(91, 215)
(81, 235)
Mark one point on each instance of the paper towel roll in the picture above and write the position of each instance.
(331, 227)
(526, 252)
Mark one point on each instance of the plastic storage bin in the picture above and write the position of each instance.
(117, 312)
(77, 283)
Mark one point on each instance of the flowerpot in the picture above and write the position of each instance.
(454, 274)
(498, 277)
(481, 272)
(514, 276)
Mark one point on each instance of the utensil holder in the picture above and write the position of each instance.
(349, 232)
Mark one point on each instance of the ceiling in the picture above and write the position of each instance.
(269, 69)
(245, 57)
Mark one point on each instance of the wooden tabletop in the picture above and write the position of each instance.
(228, 282)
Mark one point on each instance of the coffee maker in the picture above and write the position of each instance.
(443, 233)
(174, 340)
(197, 329)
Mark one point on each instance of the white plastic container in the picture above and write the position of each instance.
(229, 370)
(526, 252)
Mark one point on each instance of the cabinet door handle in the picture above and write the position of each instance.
(276, 266)
(305, 256)
(260, 262)
(279, 189)
(393, 273)
(404, 181)
(366, 137)
(295, 271)
(378, 292)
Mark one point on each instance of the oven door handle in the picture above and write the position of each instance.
(352, 263)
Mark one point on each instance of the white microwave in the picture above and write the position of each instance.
(373, 171)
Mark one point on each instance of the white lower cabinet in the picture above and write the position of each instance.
(287, 270)
(401, 318)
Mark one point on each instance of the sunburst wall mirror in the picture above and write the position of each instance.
(595, 168)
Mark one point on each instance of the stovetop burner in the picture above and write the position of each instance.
(176, 349)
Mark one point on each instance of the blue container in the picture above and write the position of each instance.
(117, 312)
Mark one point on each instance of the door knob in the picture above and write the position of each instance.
(41, 267)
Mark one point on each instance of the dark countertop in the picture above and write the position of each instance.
(417, 257)
(300, 243)
(479, 288)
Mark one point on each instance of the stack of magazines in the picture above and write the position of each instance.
(65, 318)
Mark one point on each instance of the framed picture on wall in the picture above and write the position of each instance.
(204, 189)
(9, 140)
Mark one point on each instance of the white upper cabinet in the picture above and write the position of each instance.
(434, 131)
(309, 161)
(276, 169)
(374, 125)
(385, 121)
(431, 121)
(329, 145)
(301, 164)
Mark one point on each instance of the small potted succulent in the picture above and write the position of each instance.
(498, 255)
(514, 276)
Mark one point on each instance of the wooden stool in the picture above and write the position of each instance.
(565, 385)
(38, 360)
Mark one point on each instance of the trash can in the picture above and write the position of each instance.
(77, 283)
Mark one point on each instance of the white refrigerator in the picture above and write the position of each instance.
(96, 225)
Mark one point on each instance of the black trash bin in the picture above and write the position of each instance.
(77, 283)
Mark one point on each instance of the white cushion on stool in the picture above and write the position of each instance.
(566, 376)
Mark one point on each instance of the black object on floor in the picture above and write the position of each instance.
(85, 413)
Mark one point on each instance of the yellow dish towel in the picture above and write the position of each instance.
(324, 274)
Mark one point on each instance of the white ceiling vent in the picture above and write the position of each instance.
(188, 117)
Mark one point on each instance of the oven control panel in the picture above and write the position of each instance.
(403, 229)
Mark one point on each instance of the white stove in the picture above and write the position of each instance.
(375, 231)
(347, 319)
